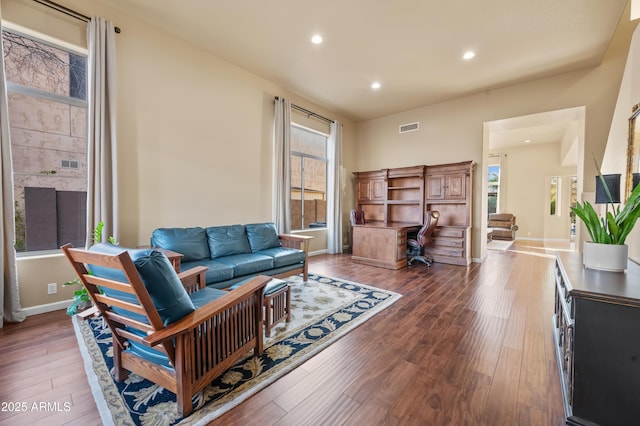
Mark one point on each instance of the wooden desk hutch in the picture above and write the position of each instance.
(394, 202)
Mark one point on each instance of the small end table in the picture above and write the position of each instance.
(277, 304)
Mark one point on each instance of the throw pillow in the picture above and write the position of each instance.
(160, 279)
(262, 236)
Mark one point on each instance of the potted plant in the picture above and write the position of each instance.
(608, 234)
(81, 299)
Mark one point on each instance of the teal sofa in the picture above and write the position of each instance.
(236, 252)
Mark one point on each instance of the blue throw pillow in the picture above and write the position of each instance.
(190, 242)
(167, 292)
(262, 236)
(227, 240)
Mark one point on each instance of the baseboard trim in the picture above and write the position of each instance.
(49, 307)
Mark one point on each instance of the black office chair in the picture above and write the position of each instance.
(423, 238)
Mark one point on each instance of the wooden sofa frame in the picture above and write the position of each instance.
(300, 242)
(200, 346)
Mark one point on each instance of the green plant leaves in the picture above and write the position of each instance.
(615, 226)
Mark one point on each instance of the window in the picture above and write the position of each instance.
(47, 89)
(573, 201)
(308, 178)
(494, 188)
(554, 196)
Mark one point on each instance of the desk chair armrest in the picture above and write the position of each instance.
(193, 279)
(215, 307)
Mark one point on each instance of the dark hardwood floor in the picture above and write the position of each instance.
(463, 346)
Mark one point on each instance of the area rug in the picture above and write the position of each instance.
(323, 310)
(499, 245)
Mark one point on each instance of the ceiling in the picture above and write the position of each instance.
(562, 127)
(413, 48)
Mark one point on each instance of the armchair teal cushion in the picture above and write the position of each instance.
(190, 242)
(262, 236)
(227, 240)
(167, 292)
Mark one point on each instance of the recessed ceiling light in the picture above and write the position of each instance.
(375, 85)
(527, 141)
(469, 54)
(316, 39)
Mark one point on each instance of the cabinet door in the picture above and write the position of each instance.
(435, 187)
(456, 187)
(377, 189)
(364, 190)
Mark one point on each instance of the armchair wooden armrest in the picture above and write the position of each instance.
(211, 309)
(193, 279)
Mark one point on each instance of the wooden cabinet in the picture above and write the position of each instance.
(405, 193)
(378, 245)
(450, 245)
(391, 195)
(451, 186)
(595, 322)
(371, 188)
(448, 190)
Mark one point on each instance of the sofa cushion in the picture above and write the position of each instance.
(271, 287)
(190, 242)
(283, 256)
(205, 295)
(262, 236)
(216, 271)
(160, 279)
(227, 240)
(499, 224)
(244, 264)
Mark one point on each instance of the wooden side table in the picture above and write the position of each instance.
(277, 304)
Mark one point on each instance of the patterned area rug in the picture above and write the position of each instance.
(323, 310)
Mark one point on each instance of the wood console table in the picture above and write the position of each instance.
(596, 330)
(382, 244)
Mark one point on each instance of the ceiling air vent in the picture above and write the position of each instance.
(409, 127)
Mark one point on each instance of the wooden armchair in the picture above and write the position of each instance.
(178, 340)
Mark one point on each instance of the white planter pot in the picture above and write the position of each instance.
(605, 257)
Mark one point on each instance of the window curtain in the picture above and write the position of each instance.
(334, 190)
(282, 165)
(102, 189)
(11, 309)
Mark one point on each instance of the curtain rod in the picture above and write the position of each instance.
(310, 113)
(69, 12)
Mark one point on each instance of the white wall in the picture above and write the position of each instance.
(526, 171)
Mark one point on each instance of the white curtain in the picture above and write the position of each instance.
(334, 190)
(11, 310)
(282, 165)
(102, 191)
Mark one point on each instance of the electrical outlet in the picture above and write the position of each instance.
(52, 288)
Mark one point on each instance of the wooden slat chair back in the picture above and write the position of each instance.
(183, 356)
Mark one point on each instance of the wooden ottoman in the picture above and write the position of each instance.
(277, 304)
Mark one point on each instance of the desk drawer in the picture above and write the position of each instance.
(445, 251)
(448, 242)
(449, 232)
